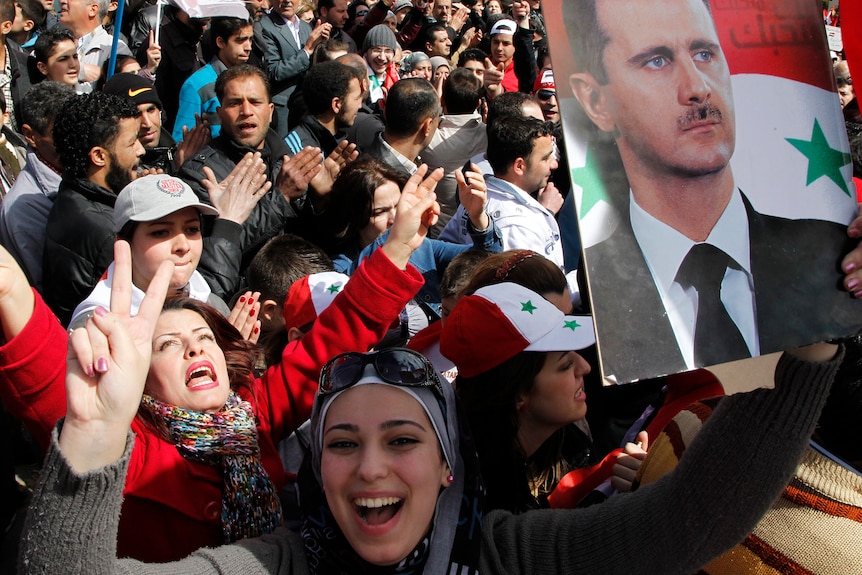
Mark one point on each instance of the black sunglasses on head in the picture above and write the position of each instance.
(396, 366)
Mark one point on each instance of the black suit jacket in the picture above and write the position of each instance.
(797, 282)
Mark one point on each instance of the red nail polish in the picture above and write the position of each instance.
(251, 313)
(251, 301)
(256, 330)
(242, 299)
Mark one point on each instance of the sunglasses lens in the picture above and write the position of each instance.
(344, 371)
(545, 94)
(401, 367)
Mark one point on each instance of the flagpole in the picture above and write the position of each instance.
(118, 24)
(158, 20)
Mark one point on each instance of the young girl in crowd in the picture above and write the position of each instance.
(56, 56)
(204, 469)
(362, 208)
(391, 486)
(160, 217)
(523, 395)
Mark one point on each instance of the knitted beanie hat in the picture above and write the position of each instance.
(380, 35)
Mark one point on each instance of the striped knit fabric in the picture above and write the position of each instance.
(815, 527)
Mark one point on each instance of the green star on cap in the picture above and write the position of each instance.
(823, 160)
(333, 288)
(572, 325)
(528, 307)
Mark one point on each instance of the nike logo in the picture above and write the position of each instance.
(133, 93)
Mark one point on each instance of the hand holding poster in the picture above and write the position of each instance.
(699, 136)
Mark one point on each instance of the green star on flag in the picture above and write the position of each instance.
(823, 160)
(572, 325)
(527, 306)
(588, 177)
(333, 288)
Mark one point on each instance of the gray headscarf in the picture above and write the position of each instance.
(444, 419)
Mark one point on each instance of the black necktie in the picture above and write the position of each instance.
(716, 337)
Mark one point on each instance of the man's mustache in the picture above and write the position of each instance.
(705, 111)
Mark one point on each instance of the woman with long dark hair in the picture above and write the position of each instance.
(362, 208)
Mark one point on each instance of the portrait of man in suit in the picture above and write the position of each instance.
(692, 275)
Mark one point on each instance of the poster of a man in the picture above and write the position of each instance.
(685, 267)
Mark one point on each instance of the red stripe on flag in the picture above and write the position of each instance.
(775, 37)
(851, 34)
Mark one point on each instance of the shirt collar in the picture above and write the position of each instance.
(664, 248)
(408, 164)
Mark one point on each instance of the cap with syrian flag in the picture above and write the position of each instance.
(499, 321)
(545, 81)
(308, 297)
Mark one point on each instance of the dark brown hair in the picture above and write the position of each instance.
(239, 354)
(351, 200)
(523, 267)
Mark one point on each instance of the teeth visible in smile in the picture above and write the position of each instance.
(375, 502)
(201, 372)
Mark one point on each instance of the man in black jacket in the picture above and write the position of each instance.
(96, 136)
(232, 240)
(14, 78)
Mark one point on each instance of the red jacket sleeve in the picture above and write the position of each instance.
(355, 321)
(33, 373)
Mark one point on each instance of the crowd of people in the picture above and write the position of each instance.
(293, 291)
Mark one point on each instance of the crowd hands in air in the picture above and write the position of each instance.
(201, 255)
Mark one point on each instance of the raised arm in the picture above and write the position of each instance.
(731, 473)
(32, 355)
(107, 367)
(360, 315)
(16, 296)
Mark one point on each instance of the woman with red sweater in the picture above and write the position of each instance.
(204, 470)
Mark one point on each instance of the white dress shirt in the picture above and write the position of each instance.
(664, 250)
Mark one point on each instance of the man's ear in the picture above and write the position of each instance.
(519, 166)
(99, 156)
(269, 309)
(588, 92)
(335, 105)
(28, 25)
(219, 43)
(294, 334)
(29, 135)
(5, 27)
(426, 126)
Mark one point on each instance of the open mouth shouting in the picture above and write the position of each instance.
(201, 375)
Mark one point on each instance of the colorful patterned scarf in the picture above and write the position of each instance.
(250, 504)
